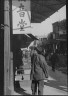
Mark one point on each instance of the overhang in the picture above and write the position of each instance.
(42, 9)
(22, 40)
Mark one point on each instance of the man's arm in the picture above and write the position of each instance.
(44, 66)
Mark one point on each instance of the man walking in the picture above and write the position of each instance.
(54, 59)
(38, 71)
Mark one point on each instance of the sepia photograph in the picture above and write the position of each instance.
(33, 47)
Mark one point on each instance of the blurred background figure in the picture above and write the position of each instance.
(54, 60)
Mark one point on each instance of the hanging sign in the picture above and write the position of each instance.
(21, 16)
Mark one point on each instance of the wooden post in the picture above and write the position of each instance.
(6, 48)
(8, 55)
(1, 47)
(11, 74)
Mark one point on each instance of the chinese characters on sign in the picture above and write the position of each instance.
(21, 24)
(21, 14)
(21, 19)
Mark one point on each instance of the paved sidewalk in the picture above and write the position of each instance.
(56, 84)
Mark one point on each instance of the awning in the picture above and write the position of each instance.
(33, 37)
(22, 40)
(42, 9)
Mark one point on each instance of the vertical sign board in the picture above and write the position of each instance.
(21, 16)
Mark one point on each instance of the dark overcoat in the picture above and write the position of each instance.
(39, 67)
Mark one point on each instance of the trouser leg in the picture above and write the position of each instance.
(40, 87)
(53, 66)
(34, 87)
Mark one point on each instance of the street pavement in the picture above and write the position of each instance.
(55, 85)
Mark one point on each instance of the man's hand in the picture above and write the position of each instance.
(46, 80)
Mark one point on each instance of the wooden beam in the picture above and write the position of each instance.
(6, 49)
(1, 47)
(11, 74)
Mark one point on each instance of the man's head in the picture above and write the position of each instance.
(38, 49)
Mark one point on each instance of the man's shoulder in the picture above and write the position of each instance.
(42, 57)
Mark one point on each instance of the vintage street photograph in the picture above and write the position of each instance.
(33, 47)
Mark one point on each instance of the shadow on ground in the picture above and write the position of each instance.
(56, 84)
(21, 91)
(59, 80)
